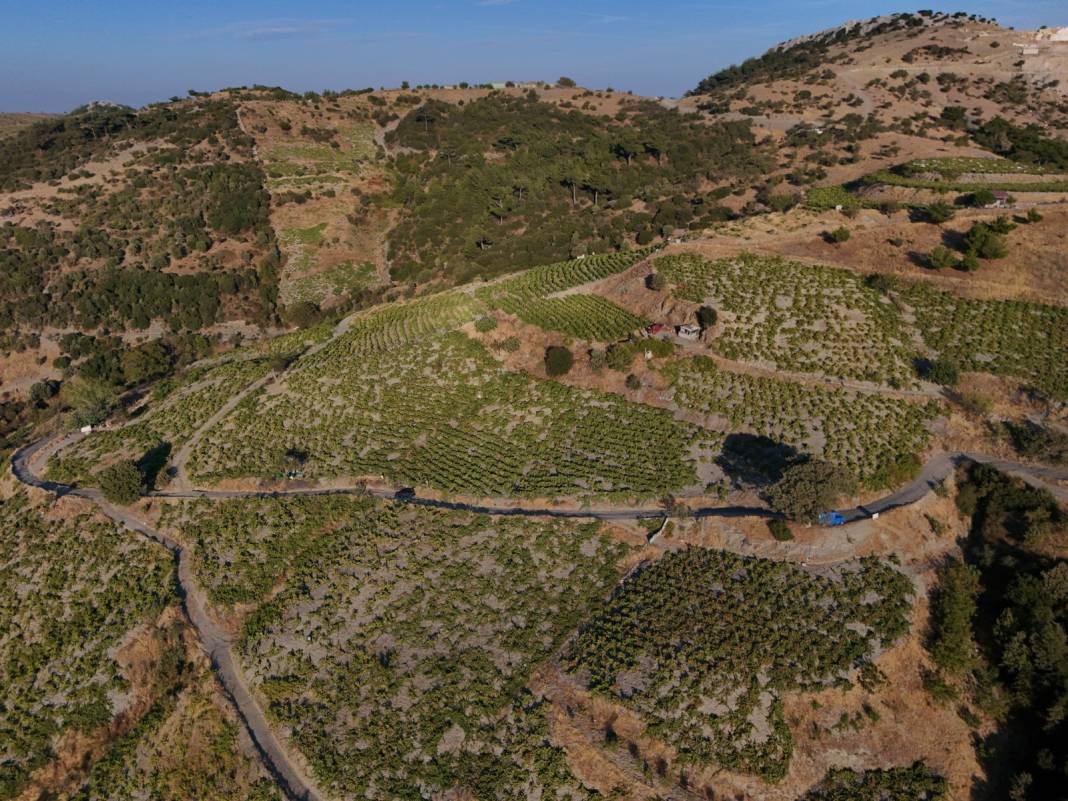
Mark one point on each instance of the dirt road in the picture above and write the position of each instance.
(214, 639)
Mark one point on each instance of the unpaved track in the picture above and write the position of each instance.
(219, 646)
(214, 639)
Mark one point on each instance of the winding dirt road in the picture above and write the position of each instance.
(217, 642)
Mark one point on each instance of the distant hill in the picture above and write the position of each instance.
(900, 70)
(13, 121)
(191, 224)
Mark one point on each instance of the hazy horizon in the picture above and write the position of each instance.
(59, 55)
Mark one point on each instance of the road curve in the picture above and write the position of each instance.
(219, 646)
(215, 640)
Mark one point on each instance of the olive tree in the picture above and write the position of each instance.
(810, 487)
(121, 483)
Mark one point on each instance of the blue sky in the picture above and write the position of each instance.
(56, 54)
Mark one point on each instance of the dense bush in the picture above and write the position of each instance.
(534, 182)
(121, 483)
(1001, 621)
(914, 783)
(810, 487)
(558, 360)
(938, 213)
(984, 241)
(941, 257)
(951, 640)
(839, 235)
(943, 371)
(780, 530)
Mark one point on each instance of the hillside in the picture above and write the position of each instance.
(13, 122)
(540, 442)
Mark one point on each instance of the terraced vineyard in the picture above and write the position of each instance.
(955, 166)
(701, 643)
(797, 317)
(872, 435)
(398, 324)
(540, 282)
(169, 422)
(398, 645)
(1024, 340)
(440, 412)
(71, 590)
(989, 181)
(584, 316)
(588, 317)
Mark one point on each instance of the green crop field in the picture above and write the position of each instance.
(797, 317)
(395, 642)
(300, 159)
(440, 412)
(301, 246)
(339, 280)
(70, 591)
(869, 434)
(702, 643)
(1028, 341)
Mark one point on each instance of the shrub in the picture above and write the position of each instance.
(558, 360)
(485, 324)
(982, 197)
(943, 371)
(91, 401)
(941, 257)
(280, 362)
(656, 282)
(1001, 225)
(121, 483)
(1034, 216)
(810, 487)
(1044, 444)
(620, 356)
(976, 404)
(303, 314)
(633, 382)
(780, 530)
(951, 644)
(42, 391)
(706, 316)
(839, 235)
(938, 213)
